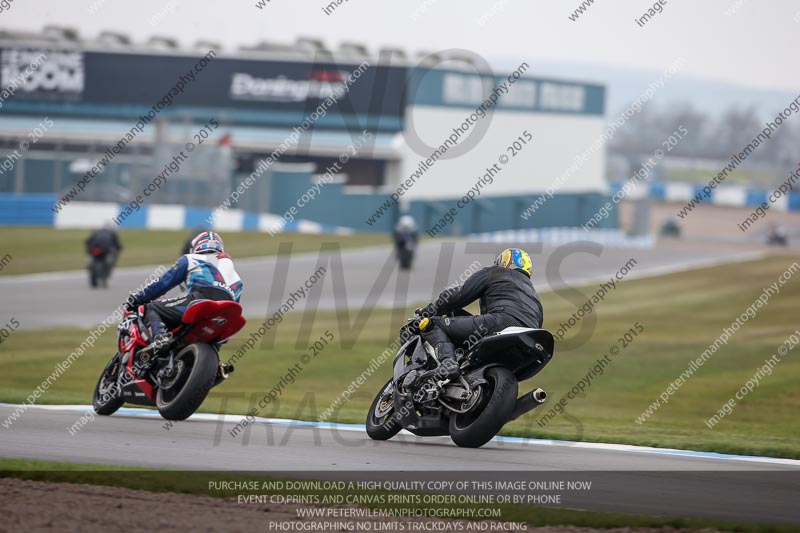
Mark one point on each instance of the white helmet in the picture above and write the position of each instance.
(208, 242)
(406, 223)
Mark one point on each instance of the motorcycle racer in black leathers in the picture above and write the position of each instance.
(507, 298)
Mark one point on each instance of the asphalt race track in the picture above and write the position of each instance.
(625, 479)
(64, 299)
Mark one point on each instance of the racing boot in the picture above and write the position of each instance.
(445, 353)
(160, 338)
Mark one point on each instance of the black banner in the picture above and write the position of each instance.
(92, 83)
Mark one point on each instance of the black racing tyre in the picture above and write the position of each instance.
(94, 273)
(99, 272)
(106, 398)
(381, 421)
(405, 257)
(195, 372)
(477, 426)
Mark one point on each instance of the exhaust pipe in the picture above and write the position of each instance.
(528, 402)
(223, 372)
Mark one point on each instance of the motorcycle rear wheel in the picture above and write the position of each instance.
(196, 369)
(406, 257)
(381, 420)
(480, 424)
(103, 402)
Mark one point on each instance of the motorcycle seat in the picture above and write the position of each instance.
(201, 309)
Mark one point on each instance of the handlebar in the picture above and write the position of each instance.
(412, 322)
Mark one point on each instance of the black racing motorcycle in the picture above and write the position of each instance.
(405, 247)
(405, 254)
(472, 409)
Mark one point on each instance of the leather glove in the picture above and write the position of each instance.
(427, 310)
(130, 304)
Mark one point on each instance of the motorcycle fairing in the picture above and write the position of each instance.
(418, 357)
(135, 390)
(524, 351)
(212, 321)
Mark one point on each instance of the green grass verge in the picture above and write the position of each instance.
(681, 313)
(48, 250)
(198, 483)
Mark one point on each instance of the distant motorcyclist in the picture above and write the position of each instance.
(507, 298)
(777, 235)
(104, 247)
(208, 273)
(405, 240)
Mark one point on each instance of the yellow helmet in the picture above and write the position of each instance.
(515, 259)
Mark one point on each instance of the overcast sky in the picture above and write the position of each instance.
(755, 45)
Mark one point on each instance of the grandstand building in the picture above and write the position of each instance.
(241, 138)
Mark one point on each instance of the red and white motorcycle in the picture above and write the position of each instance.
(179, 378)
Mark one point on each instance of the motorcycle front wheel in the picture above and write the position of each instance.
(381, 422)
(480, 424)
(107, 395)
